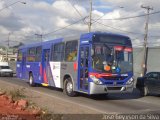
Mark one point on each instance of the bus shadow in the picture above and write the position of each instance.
(49, 87)
(55, 89)
(114, 96)
(100, 97)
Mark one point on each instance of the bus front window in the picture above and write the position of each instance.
(101, 54)
(124, 60)
(112, 56)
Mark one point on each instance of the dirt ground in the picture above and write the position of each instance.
(9, 109)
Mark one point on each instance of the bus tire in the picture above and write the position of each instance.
(31, 80)
(68, 87)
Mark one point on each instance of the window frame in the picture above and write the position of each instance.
(153, 78)
(30, 55)
(38, 55)
(29, 51)
(60, 52)
(20, 56)
(71, 49)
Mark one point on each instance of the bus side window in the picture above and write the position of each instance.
(31, 54)
(38, 53)
(82, 56)
(71, 51)
(19, 56)
(86, 63)
(81, 64)
(58, 52)
(87, 55)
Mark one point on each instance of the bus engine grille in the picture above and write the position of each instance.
(114, 78)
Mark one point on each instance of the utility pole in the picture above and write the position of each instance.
(144, 64)
(7, 46)
(41, 36)
(90, 17)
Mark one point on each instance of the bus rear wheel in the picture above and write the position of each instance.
(31, 80)
(68, 88)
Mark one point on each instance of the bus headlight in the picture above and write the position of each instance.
(130, 81)
(95, 80)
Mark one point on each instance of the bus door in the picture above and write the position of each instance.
(83, 65)
(24, 64)
(45, 66)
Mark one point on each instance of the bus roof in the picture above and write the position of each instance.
(84, 35)
(40, 43)
(102, 33)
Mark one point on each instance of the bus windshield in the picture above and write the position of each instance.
(124, 60)
(101, 54)
(117, 56)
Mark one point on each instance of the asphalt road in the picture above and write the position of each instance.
(113, 103)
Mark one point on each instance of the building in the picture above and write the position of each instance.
(9, 55)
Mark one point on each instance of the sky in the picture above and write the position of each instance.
(60, 18)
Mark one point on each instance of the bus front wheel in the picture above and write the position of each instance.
(68, 87)
(31, 80)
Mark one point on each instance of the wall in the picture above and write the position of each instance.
(153, 63)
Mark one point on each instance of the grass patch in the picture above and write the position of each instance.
(32, 105)
(51, 116)
(47, 115)
(17, 93)
(2, 91)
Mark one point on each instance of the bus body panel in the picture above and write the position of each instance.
(69, 69)
(100, 89)
(56, 74)
(21, 66)
(48, 65)
(61, 69)
(41, 70)
(33, 68)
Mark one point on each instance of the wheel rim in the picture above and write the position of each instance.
(69, 87)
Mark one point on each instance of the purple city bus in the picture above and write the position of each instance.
(92, 63)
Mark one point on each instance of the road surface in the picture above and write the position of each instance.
(113, 103)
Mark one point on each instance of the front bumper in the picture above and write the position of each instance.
(101, 89)
(6, 74)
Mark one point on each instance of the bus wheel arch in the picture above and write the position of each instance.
(31, 79)
(68, 86)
